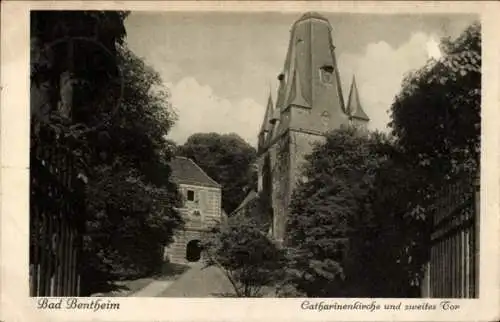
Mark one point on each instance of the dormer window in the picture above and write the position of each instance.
(326, 74)
(190, 195)
(328, 68)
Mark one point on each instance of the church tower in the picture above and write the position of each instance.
(311, 103)
(308, 105)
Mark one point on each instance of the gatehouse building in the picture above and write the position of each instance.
(201, 210)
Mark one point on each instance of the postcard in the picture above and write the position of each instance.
(250, 161)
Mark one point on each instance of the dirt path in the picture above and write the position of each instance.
(153, 289)
(200, 282)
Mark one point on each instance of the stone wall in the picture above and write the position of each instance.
(205, 210)
(286, 158)
(362, 124)
(281, 184)
(176, 252)
(301, 144)
(200, 215)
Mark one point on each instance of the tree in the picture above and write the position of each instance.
(393, 238)
(131, 199)
(249, 259)
(329, 213)
(226, 158)
(436, 116)
(114, 119)
(436, 122)
(74, 75)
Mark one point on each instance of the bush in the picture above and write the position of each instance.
(249, 259)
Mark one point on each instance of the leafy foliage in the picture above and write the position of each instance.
(436, 116)
(129, 196)
(248, 258)
(393, 233)
(226, 158)
(328, 210)
(436, 121)
(74, 74)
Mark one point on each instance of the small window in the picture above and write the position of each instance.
(196, 213)
(328, 68)
(326, 73)
(190, 195)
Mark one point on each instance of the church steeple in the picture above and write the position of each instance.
(311, 79)
(354, 108)
(309, 104)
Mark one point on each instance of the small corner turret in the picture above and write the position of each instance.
(357, 115)
(266, 126)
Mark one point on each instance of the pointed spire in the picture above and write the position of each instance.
(266, 127)
(354, 108)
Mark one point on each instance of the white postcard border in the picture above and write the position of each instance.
(15, 304)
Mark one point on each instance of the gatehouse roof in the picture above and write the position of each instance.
(186, 171)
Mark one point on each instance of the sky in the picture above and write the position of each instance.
(221, 66)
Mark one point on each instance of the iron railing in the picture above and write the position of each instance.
(453, 268)
(56, 223)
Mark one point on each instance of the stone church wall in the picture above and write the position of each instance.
(301, 144)
(287, 159)
(281, 184)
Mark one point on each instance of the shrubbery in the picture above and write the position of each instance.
(249, 259)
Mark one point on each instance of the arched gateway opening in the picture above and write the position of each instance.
(193, 251)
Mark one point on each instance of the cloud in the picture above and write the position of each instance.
(199, 109)
(379, 72)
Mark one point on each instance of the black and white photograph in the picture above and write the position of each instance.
(254, 154)
(249, 161)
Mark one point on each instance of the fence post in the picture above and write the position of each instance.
(425, 289)
(477, 222)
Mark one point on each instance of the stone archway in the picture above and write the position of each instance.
(193, 250)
